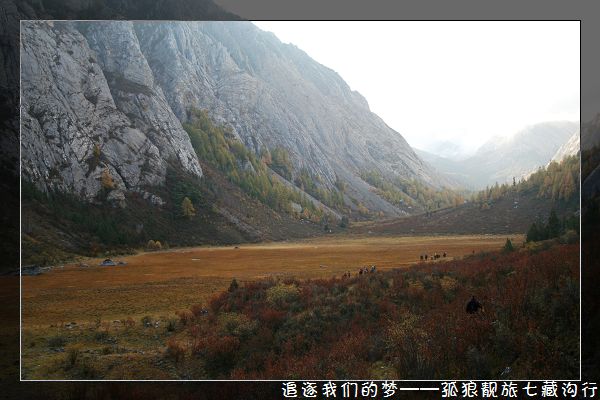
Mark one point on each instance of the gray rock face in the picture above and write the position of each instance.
(86, 110)
(273, 94)
(570, 148)
(124, 88)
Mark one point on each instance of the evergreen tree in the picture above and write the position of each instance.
(233, 286)
(508, 246)
(553, 228)
(533, 234)
(344, 222)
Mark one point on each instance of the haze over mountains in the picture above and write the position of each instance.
(501, 159)
(113, 95)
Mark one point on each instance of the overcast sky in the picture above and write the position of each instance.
(458, 81)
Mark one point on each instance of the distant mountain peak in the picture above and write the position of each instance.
(501, 158)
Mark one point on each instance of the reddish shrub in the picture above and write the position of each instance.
(175, 350)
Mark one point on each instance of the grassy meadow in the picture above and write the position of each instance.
(115, 322)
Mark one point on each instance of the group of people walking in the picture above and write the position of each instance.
(362, 270)
(435, 256)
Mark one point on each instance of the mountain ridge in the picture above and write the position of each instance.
(502, 159)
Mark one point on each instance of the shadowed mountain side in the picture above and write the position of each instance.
(469, 218)
(61, 228)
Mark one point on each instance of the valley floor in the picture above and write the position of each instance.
(75, 311)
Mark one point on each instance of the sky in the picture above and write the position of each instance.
(462, 82)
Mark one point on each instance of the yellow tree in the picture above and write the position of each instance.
(107, 179)
(188, 208)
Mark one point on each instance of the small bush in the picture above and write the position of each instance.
(508, 246)
(570, 237)
(233, 286)
(101, 336)
(72, 356)
(57, 341)
(235, 324)
(281, 294)
(154, 245)
(185, 317)
(129, 323)
(175, 350)
(86, 370)
(171, 325)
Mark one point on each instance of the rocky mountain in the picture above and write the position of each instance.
(501, 159)
(570, 148)
(92, 115)
(109, 98)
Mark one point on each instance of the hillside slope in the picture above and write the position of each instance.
(61, 227)
(499, 209)
(570, 148)
(470, 218)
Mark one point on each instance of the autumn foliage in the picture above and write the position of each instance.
(400, 324)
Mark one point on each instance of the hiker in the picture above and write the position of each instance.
(372, 268)
(473, 306)
(421, 257)
(360, 271)
(425, 257)
(444, 254)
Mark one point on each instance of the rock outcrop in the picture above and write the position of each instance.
(90, 112)
(570, 148)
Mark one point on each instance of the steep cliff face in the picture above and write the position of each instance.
(109, 96)
(273, 95)
(92, 112)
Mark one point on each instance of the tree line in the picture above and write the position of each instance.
(217, 146)
(553, 228)
(412, 193)
(557, 181)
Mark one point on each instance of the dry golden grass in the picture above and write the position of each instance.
(158, 284)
